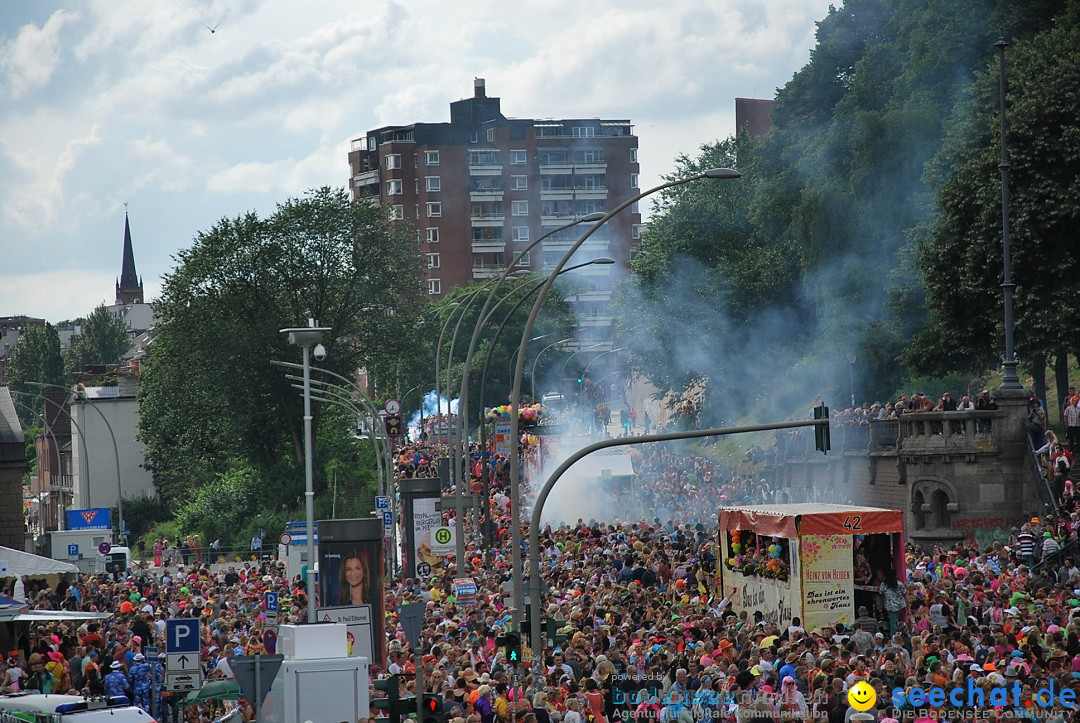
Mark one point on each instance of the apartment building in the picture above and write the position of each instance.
(482, 187)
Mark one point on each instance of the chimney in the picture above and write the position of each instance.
(478, 88)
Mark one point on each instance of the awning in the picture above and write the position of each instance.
(40, 616)
(16, 563)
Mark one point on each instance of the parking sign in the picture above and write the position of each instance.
(271, 601)
(182, 635)
(73, 550)
(387, 518)
(382, 502)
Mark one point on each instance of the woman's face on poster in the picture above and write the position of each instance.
(354, 571)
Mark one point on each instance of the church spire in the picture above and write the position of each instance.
(129, 289)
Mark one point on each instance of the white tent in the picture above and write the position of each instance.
(16, 563)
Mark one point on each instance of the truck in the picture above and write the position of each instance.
(80, 547)
(817, 562)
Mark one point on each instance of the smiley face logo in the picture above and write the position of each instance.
(862, 696)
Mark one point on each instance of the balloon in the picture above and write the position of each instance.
(736, 547)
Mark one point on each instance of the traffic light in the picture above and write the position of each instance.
(392, 702)
(433, 709)
(581, 376)
(511, 643)
(393, 425)
(822, 437)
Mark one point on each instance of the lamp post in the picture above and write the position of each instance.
(438, 355)
(306, 338)
(535, 338)
(116, 452)
(851, 379)
(532, 372)
(591, 347)
(46, 427)
(1010, 380)
(515, 395)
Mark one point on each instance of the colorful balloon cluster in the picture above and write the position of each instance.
(750, 558)
(532, 413)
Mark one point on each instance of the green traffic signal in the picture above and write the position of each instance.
(392, 702)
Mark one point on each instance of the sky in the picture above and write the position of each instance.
(107, 102)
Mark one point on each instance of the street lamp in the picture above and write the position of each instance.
(851, 379)
(535, 338)
(438, 355)
(306, 338)
(532, 373)
(1010, 380)
(116, 453)
(591, 347)
(515, 396)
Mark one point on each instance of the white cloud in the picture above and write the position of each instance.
(28, 61)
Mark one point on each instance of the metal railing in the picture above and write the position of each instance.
(1042, 483)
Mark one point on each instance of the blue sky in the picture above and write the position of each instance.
(104, 102)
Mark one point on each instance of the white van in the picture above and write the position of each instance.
(54, 708)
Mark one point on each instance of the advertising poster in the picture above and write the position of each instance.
(93, 518)
(426, 520)
(351, 585)
(828, 586)
(502, 437)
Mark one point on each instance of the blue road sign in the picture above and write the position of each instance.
(73, 550)
(150, 653)
(270, 600)
(387, 518)
(382, 502)
(182, 636)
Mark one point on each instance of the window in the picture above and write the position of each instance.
(433, 261)
(371, 144)
(431, 158)
(521, 233)
(635, 230)
(524, 260)
(397, 212)
(474, 137)
(584, 131)
(434, 209)
(490, 135)
(633, 180)
(393, 161)
(633, 155)
(520, 208)
(434, 286)
(517, 158)
(433, 235)
(393, 188)
(519, 183)
(434, 183)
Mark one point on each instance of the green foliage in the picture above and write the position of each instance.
(827, 248)
(104, 340)
(141, 514)
(209, 394)
(957, 384)
(223, 505)
(170, 530)
(35, 358)
(961, 257)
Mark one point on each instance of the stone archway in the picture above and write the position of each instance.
(933, 502)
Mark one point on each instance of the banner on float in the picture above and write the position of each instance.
(502, 437)
(828, 585)
(93, 518)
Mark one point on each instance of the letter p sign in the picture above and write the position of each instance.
(182, 636)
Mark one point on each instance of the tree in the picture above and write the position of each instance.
(104, 340)
(961, 259)
(35, 358)
(209, 394)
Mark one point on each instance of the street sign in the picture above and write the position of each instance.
(285, 539)
(382, 502)
(411, 616)
(179, 682)
(270, 641)
(104, 548)
(150, 653)
(255, 674)
(182, 635)
(442, 541)
(182, 662)
(270, 601)
(387, 518)
(73, 550)
(465, 590)
(393, 425)
(423, 570)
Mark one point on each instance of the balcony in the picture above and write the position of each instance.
(594, 321)
(487, 220)
(63, 481)
(486, 272)
(488, 246)
(596, 193)
(485, 169)
(591, 244)
(556, 169)
(556, 194)
(948, 432)
(366, 178)
(586, 296)
(486, 194)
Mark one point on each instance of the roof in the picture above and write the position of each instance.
(48, 703)
(18, 563)
(12, 444)
(791, 521)
(129, 280)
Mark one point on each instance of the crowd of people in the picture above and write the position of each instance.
(640, 629)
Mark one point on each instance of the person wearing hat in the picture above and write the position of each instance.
(142, 681)
(483, 705)
(116, 682)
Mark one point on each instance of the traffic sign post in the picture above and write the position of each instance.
(104, 548)
(393, 426)
(285, 539)
(73, 550)
(182, 670)
(272, 608)
(382, 502)
(255, 674)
